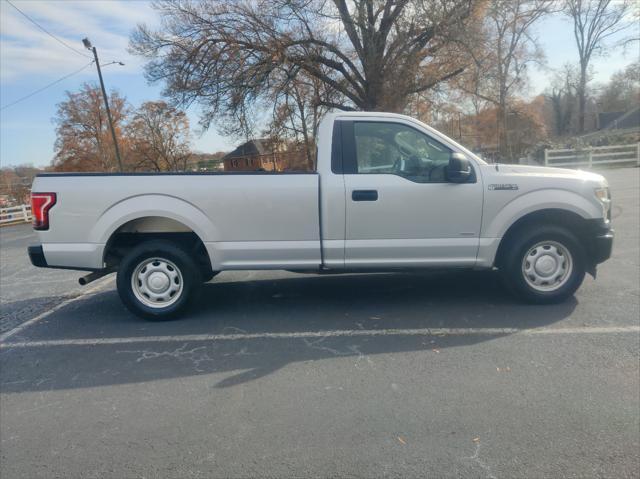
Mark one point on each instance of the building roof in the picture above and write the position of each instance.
(259, 146)
(620, 120)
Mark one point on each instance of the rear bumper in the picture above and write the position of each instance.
(38, 258)
(74, 256)
(36, 255)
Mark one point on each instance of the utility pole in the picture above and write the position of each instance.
(88, 46)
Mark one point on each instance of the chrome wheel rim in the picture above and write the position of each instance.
(547, 266)
(157, 282)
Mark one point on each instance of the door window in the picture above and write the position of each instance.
(393, 148)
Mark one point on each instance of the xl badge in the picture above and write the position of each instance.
(503, 186)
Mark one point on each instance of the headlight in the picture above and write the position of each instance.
(603, 194)
(604, 197)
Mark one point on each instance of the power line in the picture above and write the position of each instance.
(47, 32)
(47, 86)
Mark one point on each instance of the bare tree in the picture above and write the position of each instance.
(159, 137)
(622, 91)
(634, 37)
(229, 55)
(15, 186)
(563, 99)
(594, 21)
(296, 112)
(501, 65)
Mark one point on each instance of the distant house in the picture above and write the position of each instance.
(619, 120)
(264, 155)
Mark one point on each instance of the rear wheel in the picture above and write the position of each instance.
(543, 264)
(157, 280)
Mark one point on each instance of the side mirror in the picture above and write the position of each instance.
(459, 169)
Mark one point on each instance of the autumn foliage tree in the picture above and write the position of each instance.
(158, 137)
(83, 140)
(155, 137)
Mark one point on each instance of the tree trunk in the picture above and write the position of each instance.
(501, 124)
(582, 98)
(307, 143)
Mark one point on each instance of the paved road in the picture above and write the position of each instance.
(283, 375)
(26, 291)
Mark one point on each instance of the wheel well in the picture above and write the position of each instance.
(572, 221)
(139, 230)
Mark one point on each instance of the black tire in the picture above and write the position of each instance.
(512, 264)
(177, 262)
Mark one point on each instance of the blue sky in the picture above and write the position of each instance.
(30, 59)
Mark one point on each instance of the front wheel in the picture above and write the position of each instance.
(157, 280)
(543, 264)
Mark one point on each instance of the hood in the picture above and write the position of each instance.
(527, 170)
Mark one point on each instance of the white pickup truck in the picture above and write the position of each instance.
(389, 193)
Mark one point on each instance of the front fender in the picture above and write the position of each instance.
(141, 206)
(538, 200)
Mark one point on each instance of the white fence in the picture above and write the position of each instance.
(594, 156)
(15, 214)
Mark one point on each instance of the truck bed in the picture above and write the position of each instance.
(240, 217)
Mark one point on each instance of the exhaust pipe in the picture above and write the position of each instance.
(84, 280)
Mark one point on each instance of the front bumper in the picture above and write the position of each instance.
(602, 246)
(599, 241)
(36, 255)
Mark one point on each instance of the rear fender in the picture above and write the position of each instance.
(162, 206)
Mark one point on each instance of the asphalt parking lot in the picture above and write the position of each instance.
(276, 374)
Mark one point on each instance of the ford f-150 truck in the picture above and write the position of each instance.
(389, 193)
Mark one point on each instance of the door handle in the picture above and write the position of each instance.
(364, 195)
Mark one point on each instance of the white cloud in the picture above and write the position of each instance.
(26, 50)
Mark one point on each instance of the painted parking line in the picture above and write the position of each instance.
(441, 332)
(86, 293)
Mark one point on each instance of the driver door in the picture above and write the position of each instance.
(400, 209)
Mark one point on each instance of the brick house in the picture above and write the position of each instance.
(265, 155)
